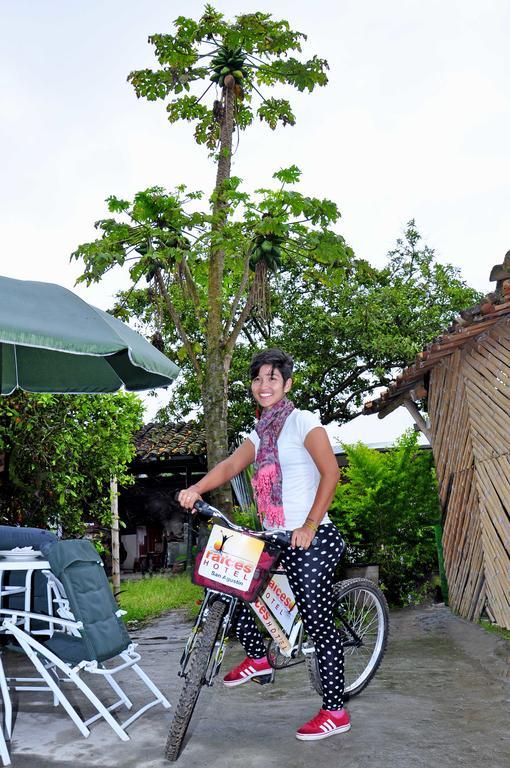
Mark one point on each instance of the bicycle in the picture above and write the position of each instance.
(230, 577)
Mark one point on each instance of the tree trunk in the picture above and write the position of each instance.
(226, 129)
(214, 397)
(114, 500)
(217, 366)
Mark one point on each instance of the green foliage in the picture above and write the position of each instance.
(61, 452)
(167, 232)
(147, 598)
(254, 48)
(152, 234)
(386, 508)
(495, 629)
(361, 322)
(247, 517)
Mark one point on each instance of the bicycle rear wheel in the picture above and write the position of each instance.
(363, 619)
(195, 678)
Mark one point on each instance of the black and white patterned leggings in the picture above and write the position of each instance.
(310, 573)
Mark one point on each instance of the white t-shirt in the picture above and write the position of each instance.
(300, 476)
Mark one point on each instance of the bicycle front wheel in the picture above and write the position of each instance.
(195, 679)
(362, 617)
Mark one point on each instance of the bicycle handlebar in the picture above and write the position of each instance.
(280, 537)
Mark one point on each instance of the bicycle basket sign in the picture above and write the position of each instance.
(230, 558)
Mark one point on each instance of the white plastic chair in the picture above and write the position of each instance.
(85, 635)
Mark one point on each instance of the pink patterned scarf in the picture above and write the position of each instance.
(267, 480)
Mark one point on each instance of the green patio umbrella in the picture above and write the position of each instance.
(53, 341)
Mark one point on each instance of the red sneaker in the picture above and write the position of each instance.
(325, 723)
(246, 670)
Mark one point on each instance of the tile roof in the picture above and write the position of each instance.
(159, 442)
(469, 325)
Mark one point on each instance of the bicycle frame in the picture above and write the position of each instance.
(275, 607)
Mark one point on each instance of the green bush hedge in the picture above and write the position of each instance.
(385, 508)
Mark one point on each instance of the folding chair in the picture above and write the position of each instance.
(4, 693)
(87, 635)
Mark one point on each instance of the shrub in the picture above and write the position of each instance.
(385, 508)
(61, 451)
(247, 517)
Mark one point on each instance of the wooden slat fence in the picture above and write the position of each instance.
(469, 410)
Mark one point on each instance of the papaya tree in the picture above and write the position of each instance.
(208, 269)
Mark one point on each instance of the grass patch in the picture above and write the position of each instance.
(147, 598)
(495, 629)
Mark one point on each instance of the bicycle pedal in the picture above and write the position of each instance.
(264, 679)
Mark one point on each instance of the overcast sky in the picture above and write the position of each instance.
(415, 123)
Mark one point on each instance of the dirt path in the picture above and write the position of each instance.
(441, 698)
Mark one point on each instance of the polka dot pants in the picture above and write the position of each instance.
(310, 573)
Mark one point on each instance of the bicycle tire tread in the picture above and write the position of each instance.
(340, 589)
(344, 587)
(194, 681)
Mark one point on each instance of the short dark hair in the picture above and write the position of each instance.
(274, 357)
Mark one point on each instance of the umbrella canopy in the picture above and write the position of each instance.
(53, 341)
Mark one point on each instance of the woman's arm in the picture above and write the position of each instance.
(318, 446)
(220, 474)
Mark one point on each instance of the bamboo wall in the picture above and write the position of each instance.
(469, 409)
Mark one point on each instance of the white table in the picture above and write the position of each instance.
(7, 565)
(30, 564)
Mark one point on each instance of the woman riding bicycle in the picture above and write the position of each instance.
(294, 483)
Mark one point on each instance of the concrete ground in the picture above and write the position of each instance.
(441, 697)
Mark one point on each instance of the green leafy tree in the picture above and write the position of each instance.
(364, 323)
(209, 269)
(386, 508)
(347, 324)
(61, 451)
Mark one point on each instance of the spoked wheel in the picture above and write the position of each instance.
(194, 680)
(363, 620)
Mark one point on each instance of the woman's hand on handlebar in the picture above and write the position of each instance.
(302, 537)
(188, 496)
